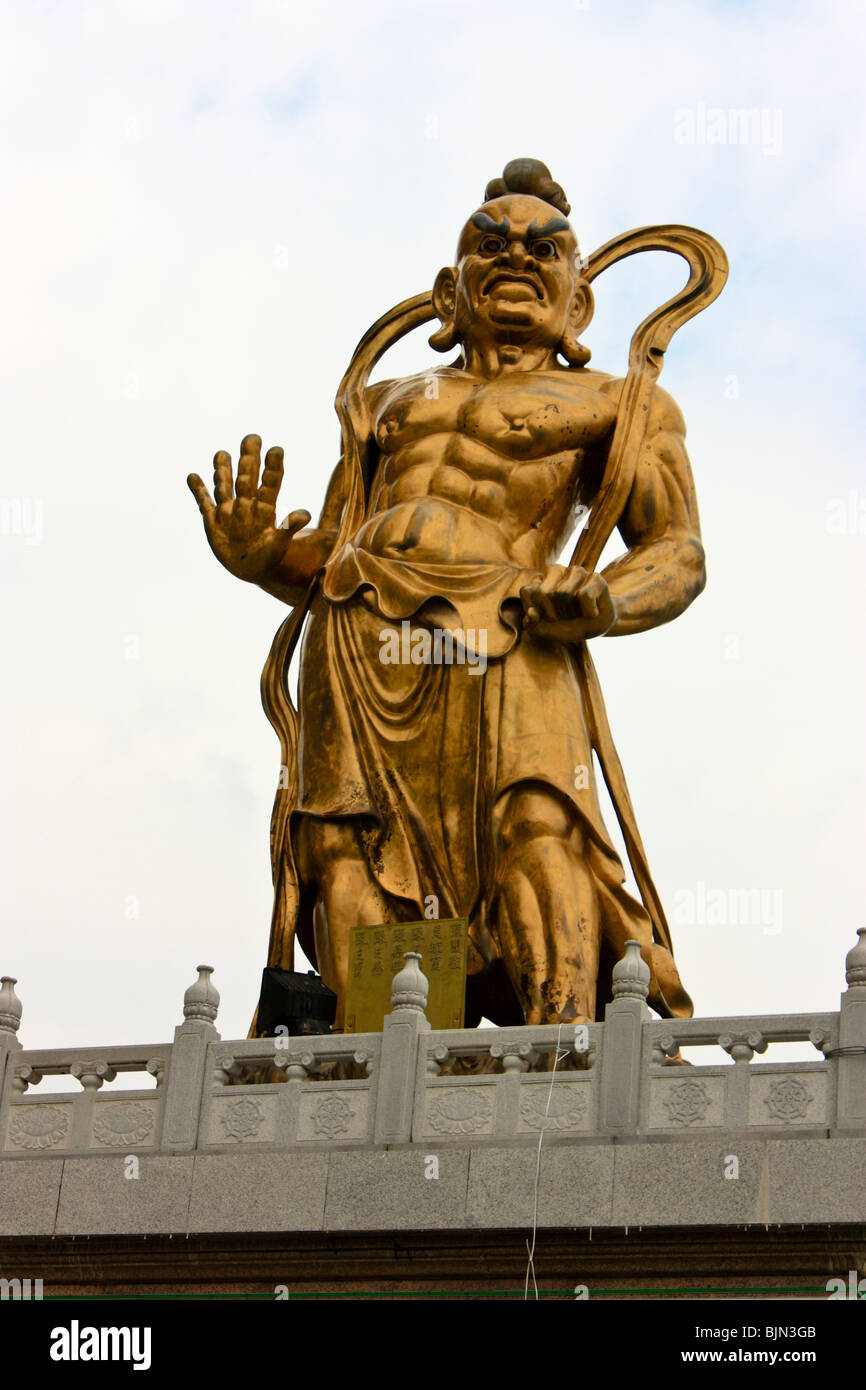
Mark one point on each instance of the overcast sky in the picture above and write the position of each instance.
(206, 206)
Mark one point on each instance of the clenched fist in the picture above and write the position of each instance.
(569, 605)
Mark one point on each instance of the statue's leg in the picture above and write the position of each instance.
(330, 856)
(547, 915)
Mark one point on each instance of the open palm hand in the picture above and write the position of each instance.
(240, 520)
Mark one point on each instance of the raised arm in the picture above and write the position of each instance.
(240, 520)
(241, 524)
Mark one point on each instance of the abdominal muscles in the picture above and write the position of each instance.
(434, 531)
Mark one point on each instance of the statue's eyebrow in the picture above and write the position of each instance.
(486, 224)
(556, 224)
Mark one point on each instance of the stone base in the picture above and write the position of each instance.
(416, 1163)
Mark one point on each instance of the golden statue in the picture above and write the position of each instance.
(441, 759)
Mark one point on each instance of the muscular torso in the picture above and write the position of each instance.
(485, 471)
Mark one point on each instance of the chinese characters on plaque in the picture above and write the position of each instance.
(376, 955)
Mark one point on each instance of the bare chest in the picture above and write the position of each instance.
(517, 417)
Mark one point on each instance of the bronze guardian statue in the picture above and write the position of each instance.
(470, 779)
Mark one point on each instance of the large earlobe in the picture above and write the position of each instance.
(580, 315)
(444, 302)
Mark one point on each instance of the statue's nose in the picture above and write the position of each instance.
(517, 254)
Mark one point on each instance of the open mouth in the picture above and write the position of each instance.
(502, 278)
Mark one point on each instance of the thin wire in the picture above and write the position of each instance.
(530, 1248)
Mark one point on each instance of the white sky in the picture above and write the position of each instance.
(206, 206)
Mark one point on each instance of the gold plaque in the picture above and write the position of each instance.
(375, 956)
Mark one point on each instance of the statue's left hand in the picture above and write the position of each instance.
(569, 605)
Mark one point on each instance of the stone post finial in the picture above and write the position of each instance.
(201, 1000)
(631, 974)
(851, 1049)
(855, 961)
(410, 987)
(10, 1005)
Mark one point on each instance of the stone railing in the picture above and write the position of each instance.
(621, 1079)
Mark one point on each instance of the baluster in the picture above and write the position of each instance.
(225, 1067)
(742, 1047)
(437, 1059)
(664, 1046)
(515, 1057)
(156, 1067)
(365, 1059)
(92, 1075)
(23, 1077)
(296, 1065)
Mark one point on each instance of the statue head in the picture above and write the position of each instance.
(518, 278)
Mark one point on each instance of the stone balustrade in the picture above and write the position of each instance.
(623, 1078)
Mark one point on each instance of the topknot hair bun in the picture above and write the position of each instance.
(532, 177)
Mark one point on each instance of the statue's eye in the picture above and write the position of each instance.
(491, 245)
(543, 250)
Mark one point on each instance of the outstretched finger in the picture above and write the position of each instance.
(249, 464)
(201, 495)
(222, 477)
(272, 477)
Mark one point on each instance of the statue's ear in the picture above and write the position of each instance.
(579, 315)
(444, 302)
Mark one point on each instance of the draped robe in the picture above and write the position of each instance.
(423, 752)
